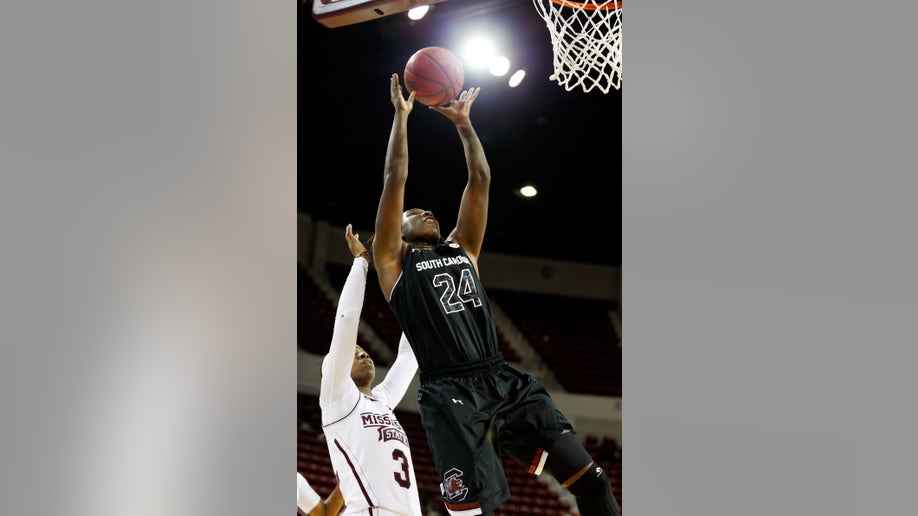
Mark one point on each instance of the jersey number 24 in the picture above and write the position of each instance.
(452, 296)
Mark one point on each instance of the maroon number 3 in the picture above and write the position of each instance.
(402, 478)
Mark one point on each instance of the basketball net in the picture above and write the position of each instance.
(586, 38)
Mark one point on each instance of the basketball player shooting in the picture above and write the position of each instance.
(474, 406)
(368, 447)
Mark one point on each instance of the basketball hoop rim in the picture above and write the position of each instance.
(605, 6)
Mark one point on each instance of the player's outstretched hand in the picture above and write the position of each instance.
(458, 110)
(398, 98)
(353, 242)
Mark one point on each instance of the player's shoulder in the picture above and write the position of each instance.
(451, 245)
(379, 395)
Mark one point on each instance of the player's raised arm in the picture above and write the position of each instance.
(401, 373)
(336, 383)
(473, 209)
(387, 240)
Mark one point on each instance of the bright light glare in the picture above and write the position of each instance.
(528, 191)
(418, 12)
(499, 66)
(516, 78)
(479, 51)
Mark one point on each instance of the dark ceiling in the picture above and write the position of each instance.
(568, 143)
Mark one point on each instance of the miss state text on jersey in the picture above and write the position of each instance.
(388, 427)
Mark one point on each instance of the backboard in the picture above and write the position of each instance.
(339, 13)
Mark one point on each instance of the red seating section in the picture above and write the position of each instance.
(575, 338)
(316, 315)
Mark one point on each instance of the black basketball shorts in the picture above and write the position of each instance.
(472, 420)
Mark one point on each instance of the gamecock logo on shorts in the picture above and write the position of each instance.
(453, 488)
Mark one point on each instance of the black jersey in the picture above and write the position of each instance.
(443, 310)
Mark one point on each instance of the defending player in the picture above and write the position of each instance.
(367, 445)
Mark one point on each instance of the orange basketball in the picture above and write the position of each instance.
(435, 75)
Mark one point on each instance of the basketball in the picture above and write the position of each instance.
(435, 75)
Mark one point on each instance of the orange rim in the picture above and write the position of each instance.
(607, 6)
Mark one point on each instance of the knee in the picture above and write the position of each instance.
(568, 459)
(594, 480)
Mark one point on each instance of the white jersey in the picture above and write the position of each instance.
(368, 447)
(372, 459)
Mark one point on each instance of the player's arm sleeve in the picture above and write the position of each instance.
(336, 367)
(400, 374)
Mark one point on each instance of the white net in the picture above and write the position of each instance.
(586, 38)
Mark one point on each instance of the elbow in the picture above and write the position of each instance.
(481, 176)
(396, 171)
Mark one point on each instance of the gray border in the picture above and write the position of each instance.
(768, 192)
(148, 202)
